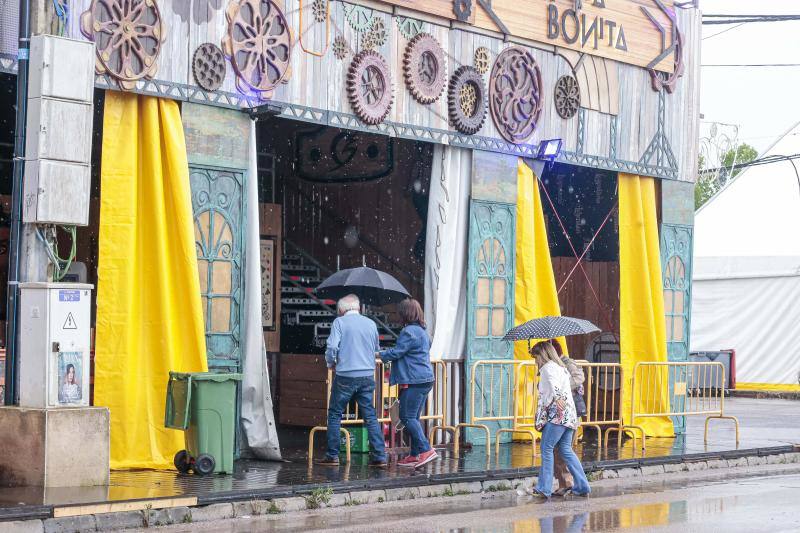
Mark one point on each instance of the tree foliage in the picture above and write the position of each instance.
(710, 182)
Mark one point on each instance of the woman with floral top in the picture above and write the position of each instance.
(557, 419)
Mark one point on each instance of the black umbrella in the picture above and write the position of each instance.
(372, 287)
(550, 327)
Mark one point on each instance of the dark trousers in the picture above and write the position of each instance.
(412, 400)
(342, 391)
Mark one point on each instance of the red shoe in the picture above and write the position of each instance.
(411, 460)
(427, 457)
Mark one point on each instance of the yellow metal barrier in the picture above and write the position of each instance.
(385, 395)
(602, 392)
(695, 389)
(497, 400)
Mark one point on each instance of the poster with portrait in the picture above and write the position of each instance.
(70, 378)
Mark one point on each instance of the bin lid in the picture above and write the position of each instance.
(205, 376)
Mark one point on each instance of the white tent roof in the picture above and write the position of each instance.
(751, 228)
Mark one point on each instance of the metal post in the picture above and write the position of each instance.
(15, 243)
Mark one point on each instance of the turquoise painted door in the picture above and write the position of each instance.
(490, 303)
(218, 206)
(676, 265)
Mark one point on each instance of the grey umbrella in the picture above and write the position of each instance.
(372, 287)
(550, 327)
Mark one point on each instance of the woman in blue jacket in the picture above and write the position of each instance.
(412, 371)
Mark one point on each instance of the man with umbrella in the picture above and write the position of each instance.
(351, 349)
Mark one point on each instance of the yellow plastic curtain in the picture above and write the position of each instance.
(535, 293)
(642, 327)
(149, 315)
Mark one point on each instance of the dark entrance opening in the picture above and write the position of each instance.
(345, 199)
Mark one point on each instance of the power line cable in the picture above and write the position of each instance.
(767, 65)
(754, 163)
(744, 19)
(724, 31)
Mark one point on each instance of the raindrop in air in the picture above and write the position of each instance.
(351, 237)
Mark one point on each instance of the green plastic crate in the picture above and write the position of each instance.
(359, 440)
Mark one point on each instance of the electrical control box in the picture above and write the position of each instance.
(58, 146)
(54, 344)
(57, 199)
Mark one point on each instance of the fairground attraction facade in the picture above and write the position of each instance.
(503, 160)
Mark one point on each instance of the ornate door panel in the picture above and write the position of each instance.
(676, 264)
(490, 301)
(218, 205)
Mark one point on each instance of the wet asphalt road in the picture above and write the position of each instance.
(754, 500)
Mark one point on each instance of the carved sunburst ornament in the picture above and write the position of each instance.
(259, 44)
(128, 36)
(567, 96)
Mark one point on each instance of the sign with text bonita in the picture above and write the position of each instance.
(637, 32)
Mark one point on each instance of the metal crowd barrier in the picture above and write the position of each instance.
(435, 409)
(500, 403)
(602, 390)
(693, 389)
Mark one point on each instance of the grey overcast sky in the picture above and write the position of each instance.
(763, 101)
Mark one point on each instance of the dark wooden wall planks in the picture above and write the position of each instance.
(374, 219)
(578, 301)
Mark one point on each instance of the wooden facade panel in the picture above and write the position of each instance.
(269, 218)
(216, 137)
(597, 129)
(677, 203)
(302, 390)
(406, 108)
(210, 28)
(494, 177)
(576, 297)
(683, 106)
(319, 82)
(528, 19)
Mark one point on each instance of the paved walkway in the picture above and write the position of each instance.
(764, 424)
(755, 499)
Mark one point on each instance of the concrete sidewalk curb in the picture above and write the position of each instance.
(325, 497)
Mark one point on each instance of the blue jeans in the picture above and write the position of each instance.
(555, 436)
(412, 400)
(343, 390)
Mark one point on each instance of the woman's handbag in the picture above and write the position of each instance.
(580, 403)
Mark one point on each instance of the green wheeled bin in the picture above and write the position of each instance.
(203, 405)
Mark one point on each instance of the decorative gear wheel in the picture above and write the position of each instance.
(376, 36)
(462, 9)
(128, 36)
(515, 94)
(662, 80)
(466, 100)
(369, 87)
(340, 47)
(408, 27)
(424, 68)
(567, 96)
(481, 59)
(258, 42)
(208, 66)
(358, 17)
(320, 10)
